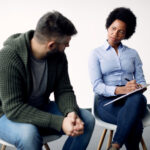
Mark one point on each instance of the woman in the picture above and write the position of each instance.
(110, 66)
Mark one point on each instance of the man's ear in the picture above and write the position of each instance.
(51, 45)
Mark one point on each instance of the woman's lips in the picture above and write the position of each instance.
(113, 39)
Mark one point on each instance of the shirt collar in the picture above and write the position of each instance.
(108, 47)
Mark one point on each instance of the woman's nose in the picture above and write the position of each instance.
(115, 33)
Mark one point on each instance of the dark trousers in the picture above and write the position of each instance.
(127, 114)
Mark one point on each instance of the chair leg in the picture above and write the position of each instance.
(46, 146)
(3, 147)
(102, 139)
(110, 138)
(143, 144)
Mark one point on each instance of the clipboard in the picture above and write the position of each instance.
(137, 90)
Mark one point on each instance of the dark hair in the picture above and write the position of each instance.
(125, 15)
(54, 24)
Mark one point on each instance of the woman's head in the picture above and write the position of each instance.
(126, 16)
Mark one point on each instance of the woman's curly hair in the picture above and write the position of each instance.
(125, 15)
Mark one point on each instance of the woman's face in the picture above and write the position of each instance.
(116, 32)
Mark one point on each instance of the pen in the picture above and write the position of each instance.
(127, 79)
(138, 85)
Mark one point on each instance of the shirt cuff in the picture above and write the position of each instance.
(110, 91)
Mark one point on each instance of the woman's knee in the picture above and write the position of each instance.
(138, 102)
(138, 98)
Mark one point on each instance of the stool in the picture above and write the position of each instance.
(112, 127)
(46, 139)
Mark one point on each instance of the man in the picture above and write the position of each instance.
(32, 66)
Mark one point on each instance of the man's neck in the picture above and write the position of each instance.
(37, 49)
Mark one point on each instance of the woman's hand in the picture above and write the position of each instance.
(129, 87)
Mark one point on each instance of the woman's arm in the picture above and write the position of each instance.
(138, 73)
(96, 77)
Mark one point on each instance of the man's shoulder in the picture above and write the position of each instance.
(7, 53)
(15, 48)
(10, 45)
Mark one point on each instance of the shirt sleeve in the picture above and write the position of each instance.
(138, 73)
(96, 77)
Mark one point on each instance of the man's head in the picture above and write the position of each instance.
(55, 30)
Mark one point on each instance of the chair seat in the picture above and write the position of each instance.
(46, 139)
(6, 143)
(50, 138)
(105, 124)
(146, 120)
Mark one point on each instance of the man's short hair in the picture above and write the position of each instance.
(54, 24)
(125, 15)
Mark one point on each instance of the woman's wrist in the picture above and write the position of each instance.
(119, 90)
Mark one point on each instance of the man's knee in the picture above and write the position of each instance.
(88, 118)
(29, 138)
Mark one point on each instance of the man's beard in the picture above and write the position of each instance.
(54, 51)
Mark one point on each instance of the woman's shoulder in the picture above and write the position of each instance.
(98, 49)
(129, 49)
(96, 52)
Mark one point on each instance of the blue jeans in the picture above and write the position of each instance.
(127, 114)
(28, 137)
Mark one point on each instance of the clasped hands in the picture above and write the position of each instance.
(72, 125)
(129, 87)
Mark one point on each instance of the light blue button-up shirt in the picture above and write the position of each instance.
(107, 69)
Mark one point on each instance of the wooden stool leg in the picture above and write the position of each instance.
(102, 139)
(3, 147)
(46, 146)
(143, 144)
(110, 138)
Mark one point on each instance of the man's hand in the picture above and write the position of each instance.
(73, 116)
(68, 127)
(77, 126)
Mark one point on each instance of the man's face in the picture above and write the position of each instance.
(63, 44)
(60, 46)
